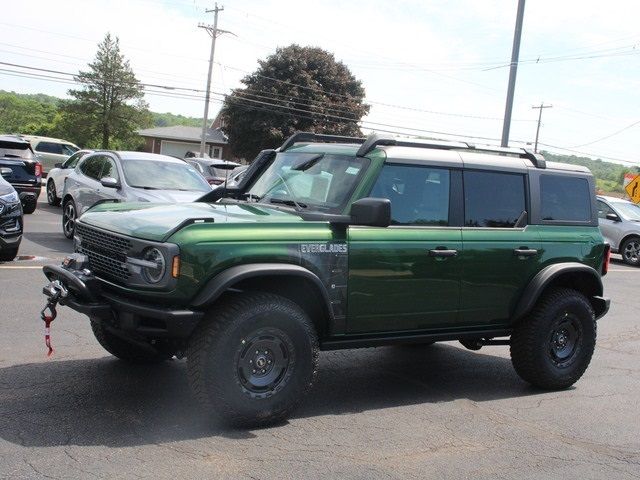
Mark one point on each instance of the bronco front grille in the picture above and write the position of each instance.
(107, 252)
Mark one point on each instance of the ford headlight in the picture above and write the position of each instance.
(155, 273)
(10, 197)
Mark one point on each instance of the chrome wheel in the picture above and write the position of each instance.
(631, 251)
(69, 219)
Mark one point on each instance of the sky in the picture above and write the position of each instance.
(435, 68)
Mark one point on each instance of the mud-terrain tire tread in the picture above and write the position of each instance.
(124, 350)
(212, 332)
(529, 339)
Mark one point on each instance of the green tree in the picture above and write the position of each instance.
(110, 105)
(295, 89)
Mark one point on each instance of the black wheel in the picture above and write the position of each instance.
(124, 350)
(8, 254)
(69, 216)
(52, 195)
(552, 348)
(253, 360)
(630, 251)
(29, 206)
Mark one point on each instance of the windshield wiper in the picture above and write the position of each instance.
(251, 196)
(146, 188)
(291, 203)
(308, 164)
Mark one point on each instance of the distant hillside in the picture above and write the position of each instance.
(609, 176)
(35, 114)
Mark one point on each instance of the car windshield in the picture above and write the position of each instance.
(311, 181)
(628, 210)
(15, 150)
(155, 175)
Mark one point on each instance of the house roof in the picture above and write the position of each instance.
(180, 132)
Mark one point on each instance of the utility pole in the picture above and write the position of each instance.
(515, 53)
(214, 32)
(540, 107)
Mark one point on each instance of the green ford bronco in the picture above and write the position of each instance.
(337, 242)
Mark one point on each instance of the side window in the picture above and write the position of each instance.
(565, 198)
(49, 147)
(110, 169)
(419, 195)
(493, 199)
(92, 166)
(604, 209)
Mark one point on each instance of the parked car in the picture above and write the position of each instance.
(10, 218)
(620, 226)
(127, 177)
(236, 175)
(51, 150)
(215, 171)
(57, 175)
(26, 171)
(334, 242)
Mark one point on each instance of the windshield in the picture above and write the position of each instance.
(311, 181)
(628, 210)
(16, 150)
(154, 175)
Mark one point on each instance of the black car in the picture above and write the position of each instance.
(10, 219)
(17, 155)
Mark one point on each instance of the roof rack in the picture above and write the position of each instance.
(374, 140)
(300, 137)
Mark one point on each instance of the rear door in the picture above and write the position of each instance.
(499, 258)
(407, 276)
(87, 184)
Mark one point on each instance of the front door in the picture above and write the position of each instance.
(407, 276)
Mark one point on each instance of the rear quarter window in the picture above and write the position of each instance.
(564, 198)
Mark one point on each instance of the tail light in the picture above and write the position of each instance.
(38, 169)
(606, 259)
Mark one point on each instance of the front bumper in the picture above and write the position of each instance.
(87, 296)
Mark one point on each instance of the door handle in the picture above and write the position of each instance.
(442, 252)
(525, 252)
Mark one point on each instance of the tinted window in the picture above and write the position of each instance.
(15, 150)
(493, 199)
(49, 147)
(92, 166)
(604, 209)
(72, 161)
(419, 195)
(565, 198)
(110, 169)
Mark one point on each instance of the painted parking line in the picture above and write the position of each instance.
(19, 267)
(626, 270)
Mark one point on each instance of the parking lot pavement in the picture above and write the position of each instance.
(392, 412)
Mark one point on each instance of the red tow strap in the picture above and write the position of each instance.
(47, 333)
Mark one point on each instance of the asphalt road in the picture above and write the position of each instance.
(435, 412)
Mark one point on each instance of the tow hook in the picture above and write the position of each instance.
(54, 291)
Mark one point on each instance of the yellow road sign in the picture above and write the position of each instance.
(633, 189)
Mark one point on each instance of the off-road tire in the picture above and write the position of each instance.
(68, 209)
(124, 350)
(630, 251)
(538, 341)
(223, 345)
(52, 195)
(8, 254)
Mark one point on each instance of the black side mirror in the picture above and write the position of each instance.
(374, 212)
(6, 172)
(58, 165)
(613, 216)
(110, 182)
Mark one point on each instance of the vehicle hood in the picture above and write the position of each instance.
(164, 196)
(157, 222)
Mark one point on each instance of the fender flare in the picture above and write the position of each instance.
(216, 286)
(547, 275)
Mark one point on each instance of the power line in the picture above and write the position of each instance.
(590, 154)
(608, 136)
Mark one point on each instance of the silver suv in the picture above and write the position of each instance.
(127, 177)
(620, 225)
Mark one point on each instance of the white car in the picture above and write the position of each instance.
(51, 151)
(55, 179)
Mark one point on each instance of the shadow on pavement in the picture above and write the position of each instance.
(107, 402)
(51, 241)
